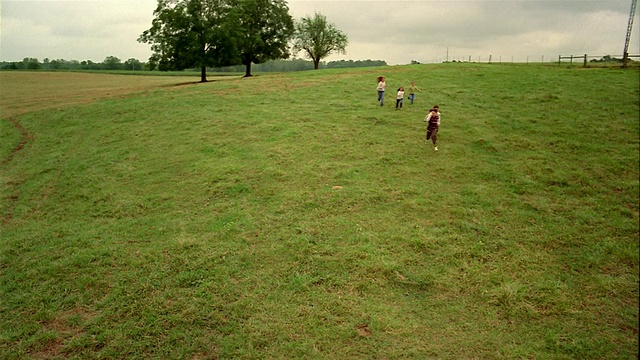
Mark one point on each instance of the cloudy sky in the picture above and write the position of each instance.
(392, 30)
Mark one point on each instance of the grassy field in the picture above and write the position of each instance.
(289, 216)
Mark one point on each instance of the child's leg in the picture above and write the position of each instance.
(434, 136)
(397, 103)
(401, 102)
(428, 134)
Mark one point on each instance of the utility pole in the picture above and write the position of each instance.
(625, 56)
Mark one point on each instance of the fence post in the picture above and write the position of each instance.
(559, 59)
(585, 60)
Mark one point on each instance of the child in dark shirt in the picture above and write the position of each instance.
(433, 124)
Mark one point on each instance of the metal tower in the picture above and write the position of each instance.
(625, 56)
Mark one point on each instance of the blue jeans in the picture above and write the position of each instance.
(381, 97)
(411, 97)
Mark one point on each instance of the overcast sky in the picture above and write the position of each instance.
(391, 30)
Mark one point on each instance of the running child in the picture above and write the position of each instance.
(382, 84)
(433, 124)
(412, 91)
(400, 98)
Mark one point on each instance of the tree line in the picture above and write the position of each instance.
(301, 65)
(608, 58)
(109, 63)
(114, 63)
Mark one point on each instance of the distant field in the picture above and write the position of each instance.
(289, 216)
(32, 91)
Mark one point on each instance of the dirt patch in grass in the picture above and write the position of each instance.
(67, 326)
(26, 137)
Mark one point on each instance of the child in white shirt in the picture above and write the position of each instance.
(382, 84)
(400, 97)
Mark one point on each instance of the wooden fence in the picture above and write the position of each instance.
(585, 58)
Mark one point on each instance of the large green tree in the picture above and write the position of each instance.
(262, 31)
(190, 33)
(318, 38)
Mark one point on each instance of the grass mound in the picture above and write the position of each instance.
(290, 216)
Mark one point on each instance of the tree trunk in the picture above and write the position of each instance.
(316, 63)
(203, 74)
(248, 69)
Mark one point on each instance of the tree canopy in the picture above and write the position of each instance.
(262, 31)
(318, 38)
(190, 33)
(210, 33)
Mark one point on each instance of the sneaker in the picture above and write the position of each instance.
(435, 148)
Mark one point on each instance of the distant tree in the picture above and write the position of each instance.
(10, 66)
(30, 63)
(318, 38)
(73, 64)
(190, 33)
(133, 64)
(112, 63)
(89, 65)
(354, 64)
(55, 64)
(607, 58)
(285, 65)
(262, 30)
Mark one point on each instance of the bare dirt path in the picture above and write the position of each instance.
(23, 140)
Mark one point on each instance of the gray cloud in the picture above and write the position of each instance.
(399, 31)
(75, 30)
(391, 30)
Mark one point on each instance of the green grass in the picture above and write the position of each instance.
(10, 138)
(289, 216)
